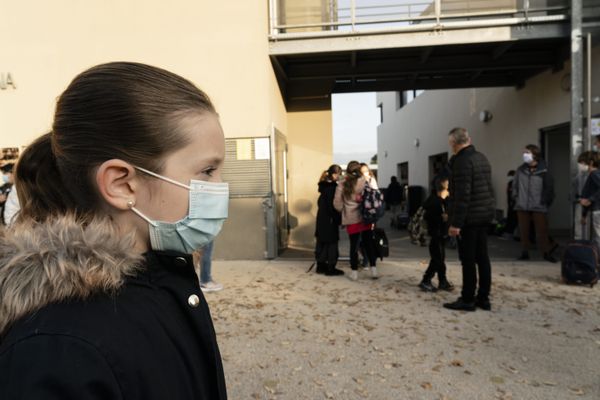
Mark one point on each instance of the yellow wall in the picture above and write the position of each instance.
(310, 146)
(220, 46)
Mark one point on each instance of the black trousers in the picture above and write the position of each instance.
(473, 253)
(437, 264)
(366, 237)
(327, 253)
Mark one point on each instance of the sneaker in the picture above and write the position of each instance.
(353, 275)
(211, 286)
(426, 286)
(446, 286)
(550, 258)
(483, 304)
(524, 256)
(461, 305)
(374, 274)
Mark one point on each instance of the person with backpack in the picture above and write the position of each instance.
(533, 191)
(348, 200)
(436, 217)
(328, 224)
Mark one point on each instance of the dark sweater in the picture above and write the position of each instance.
(591, 191)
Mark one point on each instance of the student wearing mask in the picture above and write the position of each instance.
(98, 294)
(533, 191)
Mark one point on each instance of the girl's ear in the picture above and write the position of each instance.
(117, 183)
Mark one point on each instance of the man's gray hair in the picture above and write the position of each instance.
(459, 135)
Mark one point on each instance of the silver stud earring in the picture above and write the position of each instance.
(130, 203)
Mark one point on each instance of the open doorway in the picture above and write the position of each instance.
(437, 163)
(555, 142)
(402, 173)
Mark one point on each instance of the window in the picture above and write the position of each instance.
(380, 106)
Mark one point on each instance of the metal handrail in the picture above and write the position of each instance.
(426, 27)
(524, 14)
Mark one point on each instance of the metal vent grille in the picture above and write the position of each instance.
(247, 176)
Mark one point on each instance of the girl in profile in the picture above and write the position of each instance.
(98, 294)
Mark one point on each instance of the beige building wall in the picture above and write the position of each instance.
(518, 115)
(220, 46)
(310, 146)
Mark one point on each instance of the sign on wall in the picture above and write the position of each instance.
(7, 81)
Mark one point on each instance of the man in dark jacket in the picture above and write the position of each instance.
(471, 211)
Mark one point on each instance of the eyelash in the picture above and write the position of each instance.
(209, 171)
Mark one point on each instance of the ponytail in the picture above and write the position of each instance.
(323, 177)
(40, 188)
(352, 175)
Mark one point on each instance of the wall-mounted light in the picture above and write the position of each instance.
(385, 154)
(485, 116)
(417, 142)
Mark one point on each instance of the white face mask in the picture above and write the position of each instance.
(527, 158)
(583, 167)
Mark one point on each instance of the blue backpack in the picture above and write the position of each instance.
(371, 206)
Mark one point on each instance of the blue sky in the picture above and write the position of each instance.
(355, 120)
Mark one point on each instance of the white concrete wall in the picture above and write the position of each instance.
(518, 115)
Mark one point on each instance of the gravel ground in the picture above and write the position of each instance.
(286, 334)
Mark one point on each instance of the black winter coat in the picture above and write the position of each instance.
(434, 208)
(328, 218)
(79, 321)
(471, 194)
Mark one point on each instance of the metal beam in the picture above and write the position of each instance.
(378, 67)
(425, 53)
(576, 88)
(418, 39)
(500, 50)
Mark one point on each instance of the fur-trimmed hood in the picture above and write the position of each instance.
(43, 263)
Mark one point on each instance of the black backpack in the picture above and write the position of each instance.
(382, 246)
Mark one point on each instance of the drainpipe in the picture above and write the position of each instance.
(576, 91)
(588, 113)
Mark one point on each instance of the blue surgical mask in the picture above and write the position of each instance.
(208, 209)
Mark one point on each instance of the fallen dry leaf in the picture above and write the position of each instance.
(457, 363)
(426, 385)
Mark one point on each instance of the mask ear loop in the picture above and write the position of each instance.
(164, 178)
(131, 206)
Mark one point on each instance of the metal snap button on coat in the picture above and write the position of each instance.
(180, 262)
(194, 301)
